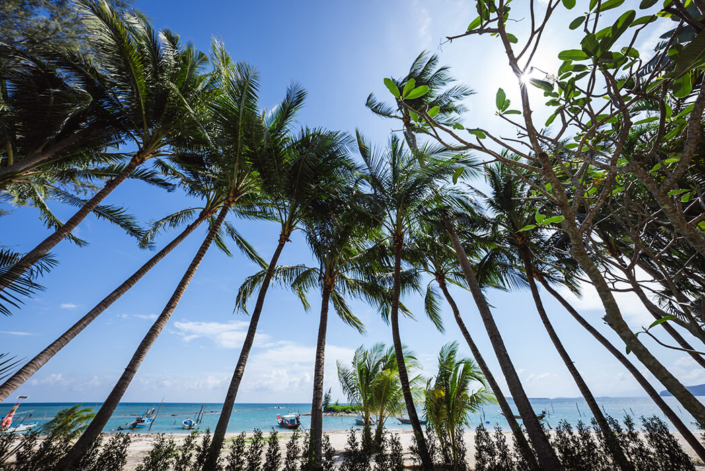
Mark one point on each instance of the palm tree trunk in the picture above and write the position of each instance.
(317, 402)
(546, 455)
(228, 404)
(50, 242)
(24, 373)
(524, 447)
(108, 407)
(610, 439)
(426, 463)
(643, 382)
(614, 319)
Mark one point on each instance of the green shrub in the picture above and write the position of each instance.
(273, 457)
(292, 453)
(236, 457)
(161, 456)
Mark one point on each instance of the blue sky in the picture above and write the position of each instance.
(340, 52)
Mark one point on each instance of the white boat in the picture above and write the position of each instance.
(19, 428)
(289, 421)
(188, 424)
(360, 420)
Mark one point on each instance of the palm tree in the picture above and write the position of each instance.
(424, 71)
(510, 214)
(338, 240)
(296, 170)
(685, 432)
(153, 80)
(449, 399)
(372, 383)
(433, 255)
(224, 157)
(196, 183)
(401, 185)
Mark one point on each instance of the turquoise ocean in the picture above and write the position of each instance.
(247, 417)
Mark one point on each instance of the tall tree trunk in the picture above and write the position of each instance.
(614, 319)
(228, 404)
(426, 462)
(643, 382)
(610, 439)
(547, 456)
(24, 373)
(108, 407)
(50, 242)
(524, 447)
(317, 401)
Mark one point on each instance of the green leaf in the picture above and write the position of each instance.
(569, 4)
(682, 86)
(647, 120)
(408, 87)
(701, 225)
(417, 92)
(686, 197)
(692, 57)
(512, 112)
(661, 321)
(590, 45)
(512, 39)
(475, 23)
(527, 228)
(575, 24)
(643, 20)
(647, 4)
(458, 126)
(391, 86)
(542, 84)
(572, 55)
(610, 5)
(677, 192)
(414, 116)
(500, 99)
(539, 217)
(478, 134)
(458, 173)
(433, 111)
(553, 220)
(618, 29)
(551, 118)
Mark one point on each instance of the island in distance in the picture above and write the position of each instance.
(697, 390)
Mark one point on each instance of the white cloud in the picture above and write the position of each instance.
(224, 335)
(12, 332)
(69, 306)
(52, 379)
(146, 317)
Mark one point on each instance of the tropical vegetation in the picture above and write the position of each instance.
(607, 192)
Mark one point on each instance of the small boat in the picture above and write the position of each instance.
(6, 423)
(290, 421)
(406, 421)
(360, 420)
(144, 420)
(189, 423)
(540, 416)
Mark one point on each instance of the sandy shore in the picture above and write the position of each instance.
(141, 444)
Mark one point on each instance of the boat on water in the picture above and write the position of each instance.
(360, 420)
(189, 423)
(6, 424)
(540, 416)
(289, 421)
(142, 421)
(407, 421)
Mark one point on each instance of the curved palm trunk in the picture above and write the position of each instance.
(524, 447)
(107, 409)
(228, 404)
(610, 439)
(50, 242)
(546, 455)
(614, 319)
(24, 373)
(317, 402)
(426, 462)
(643, 382)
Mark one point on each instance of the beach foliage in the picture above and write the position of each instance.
(291, 460)
(355, 457)
(273, 456)
(237, 456)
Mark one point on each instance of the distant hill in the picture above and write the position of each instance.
(697, 390)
